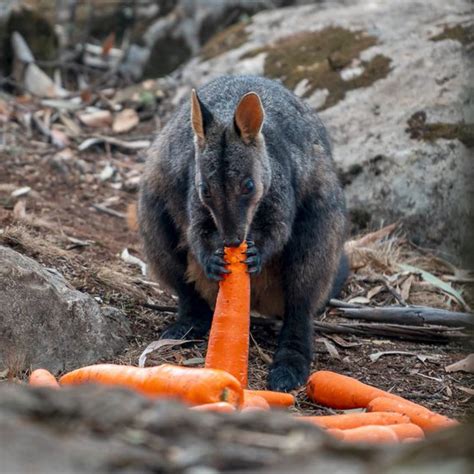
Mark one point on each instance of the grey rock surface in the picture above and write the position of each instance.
(44, 322)
(392, 169)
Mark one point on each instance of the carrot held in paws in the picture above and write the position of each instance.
(228, 347)
(354, 420)
(274, 399)
(342, 392)
(366, 434)
(421, 416)
(43, 378)
(190, 385)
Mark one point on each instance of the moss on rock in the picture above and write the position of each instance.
(420, 130)
(462, 33)
(230, 38)
(318, 58)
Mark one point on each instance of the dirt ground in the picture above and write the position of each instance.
(58, 226)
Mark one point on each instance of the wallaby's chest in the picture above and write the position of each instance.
(267, 295)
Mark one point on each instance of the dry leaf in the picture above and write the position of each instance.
(374, 291)
(405, 287)
(359, 300)
(377, 355)
(97, 119)
(435, 281)
(370, 238)
(126, 257)
(19, 210)
(464, 365)
(23, 191)
(125, 121)
(134, 145)
(330, 347)
(59, 139)
(342, 342)
(108, 44)
(468, 390)
(156, 345)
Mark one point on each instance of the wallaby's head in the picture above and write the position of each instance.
(232, 167)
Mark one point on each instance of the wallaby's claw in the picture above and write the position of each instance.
(216, 266)
(254, 259)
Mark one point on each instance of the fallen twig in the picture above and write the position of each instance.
(414, 315)
(106, 210)
(408, 333)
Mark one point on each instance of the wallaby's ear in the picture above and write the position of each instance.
(200, 118)
(249, 116)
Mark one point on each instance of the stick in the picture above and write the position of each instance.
(106, 210)
(407, 333)
(414, 315)
(163, 309)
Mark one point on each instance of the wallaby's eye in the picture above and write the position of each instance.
(248, 186)
(205, 191)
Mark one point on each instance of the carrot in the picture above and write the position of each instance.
(407, 430)
(254, 402)
(339, 391)
(43, 378)
(354, 420)
(421, 416)
(366, 434)
(191, 385)
(221, 407)
(274, 399)
(228, 346)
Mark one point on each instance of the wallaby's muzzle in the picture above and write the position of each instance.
(234, 242)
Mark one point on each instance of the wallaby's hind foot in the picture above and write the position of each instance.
(288, 371)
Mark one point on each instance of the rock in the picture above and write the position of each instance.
(44, 322)
(391, 82)
(98, 429)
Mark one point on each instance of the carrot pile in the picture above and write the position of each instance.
(222, 385)
(407, 420)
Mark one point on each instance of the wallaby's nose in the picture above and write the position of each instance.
(235, 242)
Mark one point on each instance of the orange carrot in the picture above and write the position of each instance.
(221, 407)
(339, 391)
(43, 378)
(274, 399)
(366, 434)
(407, 430)
(228, 346)
(421, 416)
(254, 402)
(354, 420)
(191, 385)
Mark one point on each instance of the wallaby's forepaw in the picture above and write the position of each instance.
(216, 266)
(254, 258)
(289, 370)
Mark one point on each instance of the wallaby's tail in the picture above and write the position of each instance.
(341, 276)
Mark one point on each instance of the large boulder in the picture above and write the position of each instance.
(44, 322)
(391, 82)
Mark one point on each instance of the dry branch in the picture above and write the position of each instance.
(413, 315)
(432, 334)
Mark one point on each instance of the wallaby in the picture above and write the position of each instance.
(246, 159)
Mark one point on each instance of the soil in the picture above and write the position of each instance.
(59, 207)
